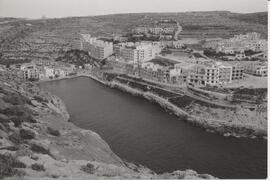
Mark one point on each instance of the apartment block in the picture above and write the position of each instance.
(97, 49)
(139, 53)
(29, 71)
(237, 72)
(225, 74)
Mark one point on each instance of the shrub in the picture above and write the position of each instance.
(27, 134)
(3, 118)
(18, 110)
(12, 148)
(53, 132)
(15, 138)
(40, 149)
(16, 120)
(19, 114)
(38, 167)
(15, 99)
(5, 127)
(8, 165)
(89, 168)
(40, 99)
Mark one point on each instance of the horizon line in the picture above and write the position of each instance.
(123, 13)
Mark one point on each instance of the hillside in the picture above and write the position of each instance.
(36, 140)
(25, 40)
(257, 18)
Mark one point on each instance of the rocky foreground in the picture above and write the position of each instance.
(38, 142)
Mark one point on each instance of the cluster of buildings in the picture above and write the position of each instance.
(138, 59)
(239, 44)
(139, 51)
(154, 30)
(192, 72)
(163, 29)
(43, 70)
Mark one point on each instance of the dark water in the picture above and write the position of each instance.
(141, 132)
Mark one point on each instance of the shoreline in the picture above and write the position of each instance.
(208, 125)
(120, 163)
(218, 127)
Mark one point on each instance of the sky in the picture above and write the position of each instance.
(65, 8)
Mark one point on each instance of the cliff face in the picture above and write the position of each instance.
(37, 141)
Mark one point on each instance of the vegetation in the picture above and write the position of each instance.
(38, 148)
(27, 134)
(9, 165)
(38, 167)
(53, 132)
(258, 18)
(19, 114)
(15, 138)
(77, 57)
(40, 99)
(88, 168)
(213, 53)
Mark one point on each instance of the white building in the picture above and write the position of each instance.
(48, 72)
(97, 49)
(139, 53)
(29, 71)
(225, 74)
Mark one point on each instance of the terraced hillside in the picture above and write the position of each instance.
(25, 40)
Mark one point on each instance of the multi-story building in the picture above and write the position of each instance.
(48, 72)
(97, 49)
(256, 68)
(155, 72)
(62, 71)
(237, 71)
(225, 74)
(203, 75)
(139, 53)
(29, 71)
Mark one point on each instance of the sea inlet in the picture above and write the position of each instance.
(143, 133)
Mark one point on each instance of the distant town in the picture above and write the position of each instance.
(156, 54)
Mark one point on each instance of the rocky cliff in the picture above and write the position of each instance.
(37, 141)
